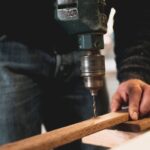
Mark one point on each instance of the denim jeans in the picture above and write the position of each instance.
(32, 93)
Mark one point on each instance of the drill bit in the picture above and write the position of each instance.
(94, 106)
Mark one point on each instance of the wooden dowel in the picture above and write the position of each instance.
(68, 134)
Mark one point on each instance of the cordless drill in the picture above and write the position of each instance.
(86, 19)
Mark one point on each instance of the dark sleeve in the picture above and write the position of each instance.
(132, 40)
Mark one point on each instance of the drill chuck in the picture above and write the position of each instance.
(93, 70)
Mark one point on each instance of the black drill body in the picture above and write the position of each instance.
(86, 20)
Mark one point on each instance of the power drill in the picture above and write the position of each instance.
(86, 19)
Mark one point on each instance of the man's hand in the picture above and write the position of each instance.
(136, 94)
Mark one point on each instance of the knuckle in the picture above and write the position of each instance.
(122, 87)
(134, 89)
(130, 87)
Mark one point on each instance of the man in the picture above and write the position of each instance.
(30, 73)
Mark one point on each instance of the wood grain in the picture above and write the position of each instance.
(68, 134)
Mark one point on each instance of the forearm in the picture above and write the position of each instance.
(135, 64)
(132, 46)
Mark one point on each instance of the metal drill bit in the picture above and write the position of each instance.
(94, 106)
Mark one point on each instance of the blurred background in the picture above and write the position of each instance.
(108, 51)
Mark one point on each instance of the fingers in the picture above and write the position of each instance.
(116, 102)
(119, 98)
(145, 102)
(135, 94)
(128, 92)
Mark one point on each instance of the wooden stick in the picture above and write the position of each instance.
(68, 134)
(135, 126)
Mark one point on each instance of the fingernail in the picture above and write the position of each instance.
(135, 116)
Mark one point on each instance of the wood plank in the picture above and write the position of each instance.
(68, 134)
(135, 126)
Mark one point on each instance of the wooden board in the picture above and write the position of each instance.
(68, 134)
